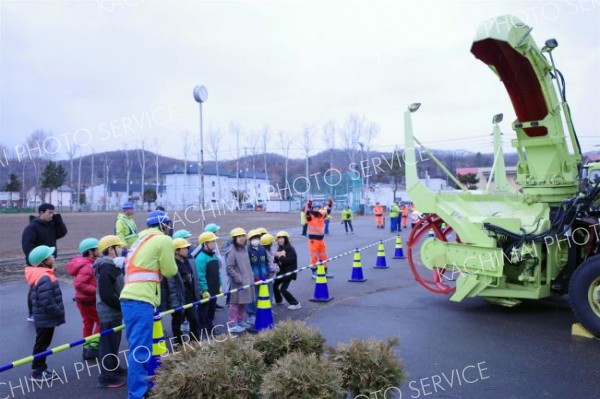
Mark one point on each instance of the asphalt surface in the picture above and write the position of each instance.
(450, 350)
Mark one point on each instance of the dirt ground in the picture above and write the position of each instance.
(82, 225)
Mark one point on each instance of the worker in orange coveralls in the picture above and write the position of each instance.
(378, 212)
(315, 219)
(404, 210)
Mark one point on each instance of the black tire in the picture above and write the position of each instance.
(583, 287)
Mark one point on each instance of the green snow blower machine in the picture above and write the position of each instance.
(533, 241)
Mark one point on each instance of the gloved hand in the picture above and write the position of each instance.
(205, 295)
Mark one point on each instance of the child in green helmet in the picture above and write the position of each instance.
(48, 308)
(81, 267)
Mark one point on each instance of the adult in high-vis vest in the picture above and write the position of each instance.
(347, 217)
(148, 261)
(303, 222)
(125, 227)
(378, 212)
(394, 218)
(315, 219)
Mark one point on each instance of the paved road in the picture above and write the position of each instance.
(465, 350)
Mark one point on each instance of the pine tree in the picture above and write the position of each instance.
(12, 186)
(53, 176)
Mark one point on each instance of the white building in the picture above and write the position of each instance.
(182, 189)
(9, 199)
(110, 197)
(60, 197)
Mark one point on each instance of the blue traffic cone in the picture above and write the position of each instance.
(380, 263)
(431, 235)
(159, 347)
(321, 291)
(398, 253)
(264, 314)
(357, 271)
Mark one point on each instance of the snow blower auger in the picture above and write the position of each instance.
(513, 245)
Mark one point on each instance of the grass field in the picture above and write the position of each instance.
(82, 225)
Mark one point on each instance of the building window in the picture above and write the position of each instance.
(213, 194)
(213, 183)
(258, 185)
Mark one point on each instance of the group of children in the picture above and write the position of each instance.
(251, 258)
(99, 277)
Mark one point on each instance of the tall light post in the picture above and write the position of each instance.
(201, 95)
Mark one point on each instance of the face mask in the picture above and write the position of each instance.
(255, 242)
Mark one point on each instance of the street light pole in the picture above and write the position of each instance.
(362, 177)
(201, 95)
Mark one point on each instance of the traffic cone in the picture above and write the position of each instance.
(264, 314)
(398, 253)
(357, 271)
(380, 262)
(159, 346)
(431, 235)
(321, 291)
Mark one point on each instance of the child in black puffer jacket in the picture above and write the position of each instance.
(48, 308)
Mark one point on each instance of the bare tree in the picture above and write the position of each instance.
(187, 146)
(214, 142)
(141, 156)
(71, 152)
(264, 142)
(253, 142)
(106, 180)
(329, 132)
(35, 152)
(92, 183)
(306, 143)
(128, 167)
(156, 165)
(79, 179)
(351, 135)
(285, 142)
(370, 133)
(234, 128)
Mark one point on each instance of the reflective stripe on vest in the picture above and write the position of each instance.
(135, 273)
(132, 228)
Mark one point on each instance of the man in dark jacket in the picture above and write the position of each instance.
(43, 230)
(48, 308)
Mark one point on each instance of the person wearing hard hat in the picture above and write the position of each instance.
(209, 279)
(266, 241)
(48, 308)
(81, 267)
(347, 217)
(303, 222)
(108, 270)
(315, 218)
(260, 270)
(46, 229)
(378, 212)
(404, 210)
(328, 208)
(214, 228)
(189, 281)
(395, 218)
(172, 294)
(125, 227)
(240, 274)
(150, 260)
(287, 260)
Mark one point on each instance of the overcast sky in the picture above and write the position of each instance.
(69, 66)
